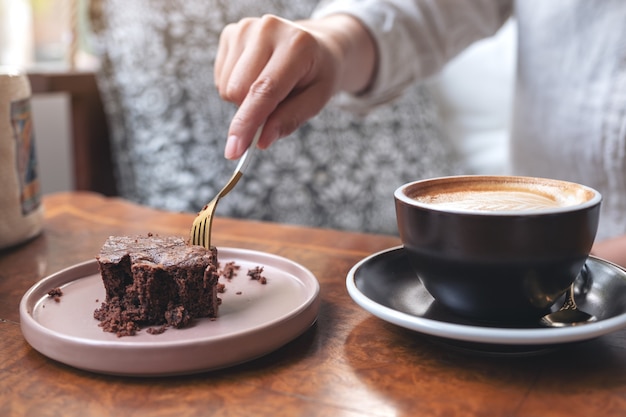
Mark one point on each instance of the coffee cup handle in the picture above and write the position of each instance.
(583, 281)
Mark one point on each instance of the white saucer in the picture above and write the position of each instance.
(254, 319)
(385, 285)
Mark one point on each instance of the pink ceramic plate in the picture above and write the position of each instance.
(254, 319)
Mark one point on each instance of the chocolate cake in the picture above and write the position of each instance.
(151, 280)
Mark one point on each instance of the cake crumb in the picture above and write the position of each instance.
(257, 275)
(156, 330)
(230, 270)
(55, 294)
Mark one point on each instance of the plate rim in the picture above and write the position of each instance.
(306, 312)
(479, 334)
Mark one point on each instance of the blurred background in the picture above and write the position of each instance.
(47, 35)
(53, 35)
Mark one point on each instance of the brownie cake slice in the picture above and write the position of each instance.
(151, 280)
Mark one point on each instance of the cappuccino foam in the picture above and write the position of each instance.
(492, 200)
(496, 193)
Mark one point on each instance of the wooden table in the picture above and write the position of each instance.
(348, 364)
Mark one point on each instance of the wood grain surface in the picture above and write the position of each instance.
(349, 363)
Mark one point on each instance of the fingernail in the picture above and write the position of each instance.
(230, 151)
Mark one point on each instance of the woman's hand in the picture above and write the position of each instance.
(285, 72)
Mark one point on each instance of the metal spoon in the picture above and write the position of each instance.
(568, 314)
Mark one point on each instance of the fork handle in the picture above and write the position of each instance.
(230, 184)
(244, 161)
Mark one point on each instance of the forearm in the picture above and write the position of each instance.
(414, 38)
(613, 250)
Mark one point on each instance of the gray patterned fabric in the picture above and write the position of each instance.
(169, 126)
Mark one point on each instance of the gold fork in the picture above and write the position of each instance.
(201, 229)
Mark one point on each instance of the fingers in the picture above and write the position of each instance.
(242, 55)
(268, 67)
(288, 116)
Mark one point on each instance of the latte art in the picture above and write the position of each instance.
(492, 200)
(497, 194)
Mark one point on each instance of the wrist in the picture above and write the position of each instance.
(352, 47)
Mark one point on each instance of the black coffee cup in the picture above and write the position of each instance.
(497, 248)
